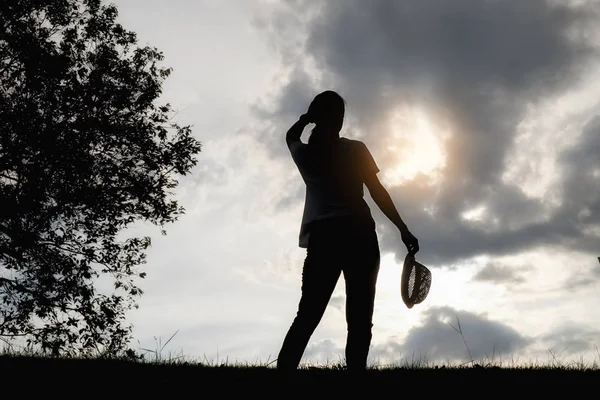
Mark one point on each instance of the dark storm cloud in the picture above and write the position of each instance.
(436, 340)
(473, 64)
(581, 208)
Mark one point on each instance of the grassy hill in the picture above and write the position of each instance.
(125, 378)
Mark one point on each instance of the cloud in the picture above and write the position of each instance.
(324, 351)
(571, 340)
(436, 340)
(482, 73)
(584, 279)
(581, 207)
(497, 273)
(338, 302)
(494, 103)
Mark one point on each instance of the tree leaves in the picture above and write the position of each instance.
(85, 152)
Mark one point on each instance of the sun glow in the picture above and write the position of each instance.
(416, 145)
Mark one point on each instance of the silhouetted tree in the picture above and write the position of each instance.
(84, 153)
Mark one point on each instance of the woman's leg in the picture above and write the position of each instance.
(360, 274)
(320, 274)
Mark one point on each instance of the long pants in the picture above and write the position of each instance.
(336, 246)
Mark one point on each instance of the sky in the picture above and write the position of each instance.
(483, 118)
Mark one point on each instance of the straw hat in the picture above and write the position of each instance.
(415, 282)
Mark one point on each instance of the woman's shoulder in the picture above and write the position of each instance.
(353, 143)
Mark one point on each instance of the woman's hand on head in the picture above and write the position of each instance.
(306, 118)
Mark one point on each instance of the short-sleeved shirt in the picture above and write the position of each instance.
(334, 176)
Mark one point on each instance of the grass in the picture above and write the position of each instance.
(152, 372)
(174, 373)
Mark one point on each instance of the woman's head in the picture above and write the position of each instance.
(327, 110)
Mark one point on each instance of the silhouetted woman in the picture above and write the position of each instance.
(337, 229)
